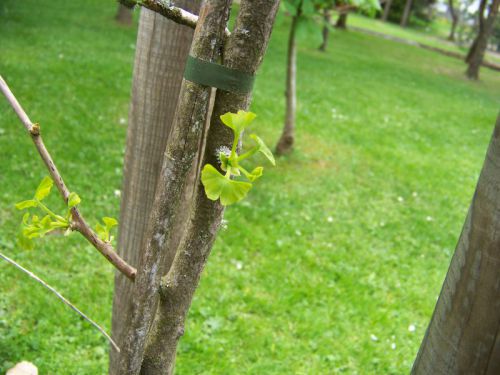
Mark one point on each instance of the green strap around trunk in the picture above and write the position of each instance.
(215, 75)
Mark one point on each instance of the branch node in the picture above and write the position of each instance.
(35, 129)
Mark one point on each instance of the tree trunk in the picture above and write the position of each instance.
(181, 151)
(342, 21)
(124, 15)
(285, 143)
(454, 20)
(255, 19)
(387, 9)
(480, 21)
(406, 13)
(327, 19)
(476, 53)
(161, 51)
(463, 335)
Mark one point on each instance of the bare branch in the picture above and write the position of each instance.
(58, 295)
(173, 13)
(78, 222)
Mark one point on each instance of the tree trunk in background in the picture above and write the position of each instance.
(124, 15)
(327, 19)
(285, 143)
(342, 21)
(406, 13)
(161, 52)
(463, 336)
(480, 21)
(387, 9)
(478, 48)
(454, 20)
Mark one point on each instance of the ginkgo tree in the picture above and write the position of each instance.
(160, 301)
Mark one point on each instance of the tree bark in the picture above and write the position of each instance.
(454, 20)
(406, 13)
(161, 51)
(342, 21)
(124, 15)
(327, 19)
(285, 143)
(478, 48)
(463, 335)
(181, 151)
(244, 51)
(387, 10)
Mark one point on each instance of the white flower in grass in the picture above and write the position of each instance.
(329, 219)
(393, 346)
(411, 328)
(429, 218)
(117, 193)
(401, 199)
(373, 337)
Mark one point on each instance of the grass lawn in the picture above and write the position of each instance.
(434, 36)
(336, 255)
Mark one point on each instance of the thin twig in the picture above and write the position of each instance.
(58, 295)
(79, 224)
(173, 13)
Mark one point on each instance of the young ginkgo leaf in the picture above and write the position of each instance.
(218, 186)
(238, 121)
(256, 173)
(263, 148)
(73, 200)
(44, 188)
(26, 204)
(109, 222)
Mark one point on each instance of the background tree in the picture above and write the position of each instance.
(161, 52)
(476, 52)
(302, 11)
(406, 13)
(462, 337)
(124, 15)
(387, 9)
(454, 20)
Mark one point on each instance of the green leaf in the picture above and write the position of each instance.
(238, 121)
(263, 148)
(217, 186)
(256, 173)
(44, 188)
(73, 200)
(26, 204)
(102, 233)
(109, 222)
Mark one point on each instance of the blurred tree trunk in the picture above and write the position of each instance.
(476, 53)
(454, 20)
(124, 15)
(327, 19)
(406, 13)
(161, 52)
(463, 336)
(387, 9)
(342, 21)
(285, 143)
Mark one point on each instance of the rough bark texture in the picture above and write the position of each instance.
(244, 51)
(161, 51)
(387, 10)
(285, 143)
(463, 336)
(406, 13)
(181, 151)
(327, 19)
(478, 48)
(454, 20)
(342, 21)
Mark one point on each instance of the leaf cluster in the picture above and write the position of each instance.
(224, 186)
(34, 225)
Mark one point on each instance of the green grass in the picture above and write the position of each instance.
(434, 36)
(348, 239)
